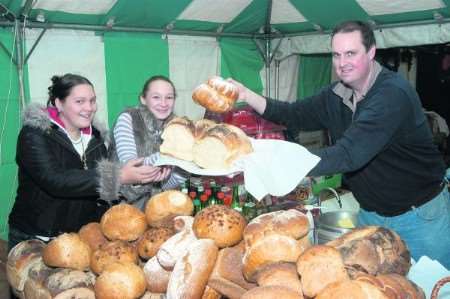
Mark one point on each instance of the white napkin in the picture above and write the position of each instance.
(426, 272)
(275, 167)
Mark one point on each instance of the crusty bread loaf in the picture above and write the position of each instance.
(227, 277)
(393, 285)
(217, 95)
(373, 250)
(149, 243)
(176, 246)
(201, 126)
(163, 207)
(92, 235)
(120, 280)
(20, 259)
(111, 252)
(318, 267)
(67, 251)
(59, 283)
(178, 138)
(291, 223)
(210, 293)
(123, 222)
(221, 224)
(280, 274)
(272, 292)
(156, 276)
(269, 250)
(191, 272)
(220, 147)
(354, 289)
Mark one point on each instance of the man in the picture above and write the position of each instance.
(381, 142)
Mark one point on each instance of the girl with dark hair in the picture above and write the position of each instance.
(137, 134)
(62, 167)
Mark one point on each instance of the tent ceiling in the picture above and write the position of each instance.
(226, 18)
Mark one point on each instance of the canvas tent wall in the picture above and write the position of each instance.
(119, 43)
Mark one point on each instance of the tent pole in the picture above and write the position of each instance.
(267, 64)
(19, 56)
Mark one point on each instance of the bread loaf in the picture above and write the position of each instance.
(393, 285)
(280, 274)
(354, 289)
(221, 224)
(163, 207)
(123, 222)
(150, 295)
(210, 293)
(20, 259)
(220, 147)
(111, 252)
(318, 267)
(59, 283)
(156, 276)
(92, 235)
(67, 251)
(178, 138)
(120, 280)
(272, 292)
(227, 277)
(191, 272)
(149, 243)
(373, 250)
(217, 95)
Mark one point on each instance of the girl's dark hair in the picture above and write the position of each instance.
(62, 86)
(368, 38)
(156, 78)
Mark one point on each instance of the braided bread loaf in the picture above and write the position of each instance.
(217, 95)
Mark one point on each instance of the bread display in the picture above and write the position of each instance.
(156, 276)
(20, 259)
(320, 266)
(116, 251)
(123, 222)
(67, 251)
(227, 277)
(221, 224)
(217, 95)
(149, 243)
(373, 250)
(120, 280)
(163, 207)
(191, 272)
(280, 274)
(207, 144)
(59, 283)
(272, 292)
(92, 235)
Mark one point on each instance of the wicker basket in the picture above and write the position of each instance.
(437, 287)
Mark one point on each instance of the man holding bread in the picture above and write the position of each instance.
(381, 142)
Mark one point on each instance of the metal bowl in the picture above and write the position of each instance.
(330, 225)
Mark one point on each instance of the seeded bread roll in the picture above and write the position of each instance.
(178, 138)
(148, 245)
(120, 280)
(221, 224)
(163, 207)
(318, 267)
(123, 222)
(217, 95)
(92, 235)
(67, 251)
(116, 251)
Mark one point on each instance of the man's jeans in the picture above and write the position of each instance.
(426, 229)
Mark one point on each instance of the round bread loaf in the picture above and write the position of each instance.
(92, 235)
(120, 280)
(280, 274)
(290, 223)
(67, 251)
(163, 207)
(123, 222)
(217, 95)
(272, 292)
(116, 251)
(221, 224)
(351, 289)
(148, 245)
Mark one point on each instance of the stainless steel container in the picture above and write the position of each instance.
(331, 225)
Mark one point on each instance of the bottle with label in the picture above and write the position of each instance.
(220, 198)
(249, 209)
(195, 201)
(236, 203)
